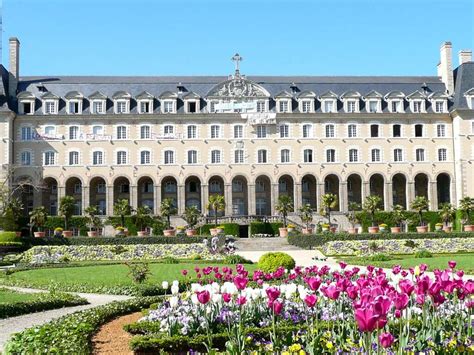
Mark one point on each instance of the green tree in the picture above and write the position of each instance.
(12, 211)
(38, 217)
(143, 217)
(66, 209)
(420, 204)
(283, 206)
(447, 213)
(398, 214)
(167, 209)
(191, 216)
(93, 222)
(329, 202)
(122, 208)
(306, 214)
(466, 206)
(371, 206)
(351, 214)
(216, 204)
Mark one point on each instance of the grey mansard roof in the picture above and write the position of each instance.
(463, 82)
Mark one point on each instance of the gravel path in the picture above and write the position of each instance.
(13, 325)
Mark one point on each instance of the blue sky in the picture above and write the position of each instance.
(275, 37)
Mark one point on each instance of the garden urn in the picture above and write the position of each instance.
(39, 234)
(67, 234)
(191, 232)
(306, 231)
(283, 232)
(373, 230)
(447, 229)
(352, 230)
(169, 232)
(142, 233)
(396, 230)
(422, 229)
(469, 228)
(92, 233)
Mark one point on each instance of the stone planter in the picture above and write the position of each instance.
(447, 229)
(92, 233)
(39, 234)
(469, 228)
(283, 232)
(422, 229)
(191, 232)
(352, 230)
(169, 232)
(67, 234)
(142, 233)
(396, 230)
(306, 231)
(373, 230)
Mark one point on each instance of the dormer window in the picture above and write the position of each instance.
(144, 102)
(439, 106)
(50, 107)
(395, 101)
(261, 106)
(469, 95)
(74, 102)
(396, 106)
(329, 106)
(122, 102)
(98, 107)
(306, 106)
(144, 107)
(351, 106)
(417, 102)
(373, 102)
(73, 107)
(168, 102)
(351, 101)
(416, 106)
(373, 106)
(192, 103)
(284, 106)
(98, 103)
(26, 108)
(168, 107)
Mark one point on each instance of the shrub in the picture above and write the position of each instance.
(423, 254)
(237, 259)
(270, 262)
(9, 237)
(138, 272)
(380, 257)
(265, 228)
(170, 260)
(229, 229)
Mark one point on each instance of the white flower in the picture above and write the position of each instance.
(174, 302)
(215, 287)
(164, 285)
(175, 283)
(217, 298)
(194, 299)
(174, 289)
(195, 287)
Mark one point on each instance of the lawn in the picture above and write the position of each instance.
(9, 296)
(107, 275)
(438, 261)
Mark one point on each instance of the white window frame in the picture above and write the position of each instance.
(102, 157)
(310, 133)
(443, 103)
(304, 150)
(144, 101)
(283, 102)
(47, 162)
(306, 105)
(285, 159)
(239, 156)
(27, 137)
(401, 130)
(218, 127)
(141, 156)
(326, 151)
(194, 129)
(438, 152)
(21, 106)
(402, 158)
(192, 153)
(287, 125)
(141, 128)
(326, 127)
(103, 104)
(119, 159)
(261, 131)
(47, 103)
(189, 101)
(353, 155)
(267, 153)
(166, 160)
(165, 108)
(348, 103)
(78, 133)
(120, 136)
(218, 155)
(79, 106)
(441, 128)
(422, 105)
(70, 157)
(400, 105)
(326, 102)
(353, 134)
(372, 150)
(26, 154)
(236, 134)
(420, 152)
(119, 103)
(378, 104)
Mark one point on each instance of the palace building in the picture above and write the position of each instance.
(249, 138)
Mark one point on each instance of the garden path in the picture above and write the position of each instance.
(13, 325)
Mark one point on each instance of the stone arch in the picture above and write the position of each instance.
(263, 195)
(443, 188)
(331, 185)
(286, 186)
(49, 195)
(376, 185)
(98, 193)
(146, 192)
(421, 184)
(240, 203)
(74, 188)
(192, 188)
(169, 189)
(354, 188)
(121, 189)
(399, 190)
(309, 185)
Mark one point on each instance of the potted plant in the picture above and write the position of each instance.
(120, 231)
(325, 227)
(438, 227)
(466, 206)
(58, 232)
(122, 208)
(167, 209)
(215, 205)
(66, 210)
(38, 218)
(306, 215)
(191, 216)
(283, 206)
(329, 203)
(447, 213)
(371, 206)
(180, 230)
(291, 227)
(420, 204)
(397, 216)
(352, 217)
(92, 221)
(143, 220)
(383, 227)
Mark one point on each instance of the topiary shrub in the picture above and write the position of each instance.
(423, 254)
(270, 262)
(237, 259)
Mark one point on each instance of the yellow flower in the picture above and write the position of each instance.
(294, 348)
(417, 270)
(302, 352)
(452, 343)
(329, 345)
(461, 349)
(285, 353)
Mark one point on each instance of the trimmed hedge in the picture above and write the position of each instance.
(316, 240)
(72, 334)
(430, 217)
(9, 237)
(265, 228)
(43, 303)
(229, 229)
(270, 262)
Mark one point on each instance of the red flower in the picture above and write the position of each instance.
(272, 293)
(241, 300)
(386, 340)
(452, 264)
(226, 297)
(275, 306)
(240, 282)
(310, 300)
(184, 272)
(203, 296)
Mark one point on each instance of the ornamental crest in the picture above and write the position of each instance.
(238, 88)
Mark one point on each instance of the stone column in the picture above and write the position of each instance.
(37, 198)
(388, 196)
(252, 210)
(181, 199)
(204, 198)
(85, 198)
(410, 193)
(298, 197)
(433, 195)
(134, 196)
(343, 196)
(61, 192)
(319, 194)
(274, 198)
(109, 200)
(157, 199)
(228, 199)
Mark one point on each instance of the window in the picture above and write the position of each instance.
(260, 106)
(98, 107)
(215, 186)
(168, 130)
(73, 107)
(417, 106)
(192, 156)
(50, 107)
(418, 130)
(168, 107)
(420, 154)
(74, 132)
(353, 155)
(331, 156)
(49, 158)
(169, 157)
(260, 186)
(121, 157)
(215, 156)
(237, 186)
(308, 155)
(121, 132)
(73, 158)
(97, 130)
(442, 154)
(97, 158)
(330, 131)
(26, 134)
(238, 156)
(101, 188)
(439, 106)
(215, 131)
(283, 106)
(375, 155)
(212, 106)
(192, 132)
(397, 155)
(307, 131)
(373, 106)
(170, 187)
(192, 107)
(25, 158)
(284, 131)
(306, 106)
(27, 108)
(441, 130)
(49, 131)
(285, 156)
(145, 107)
(352, 131)
(374, 130)
(145, 157)
(145, 132)
(124, 188)
(238, 131)
(261, 131)
(262, 156)
(351, 106)
(328, 106)
(395, 106)
(121, 107)
(396, 130)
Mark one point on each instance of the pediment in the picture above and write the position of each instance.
(144, 95)
(191, 96)
(168, 95)
(25, 95)
(97, 96)
(328, 95)
(416, 95)
(307, 94)
(238, 87)
(121, 95)
(283, 95)
(373, 95)
(469, 92)
(49, 95)
(73, 95)
(350, 95)
(438, 95)
(395, 95)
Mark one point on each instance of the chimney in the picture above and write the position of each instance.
(14, 65)
(465, 56)
(445, 68)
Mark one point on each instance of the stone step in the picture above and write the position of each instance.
(264, 244)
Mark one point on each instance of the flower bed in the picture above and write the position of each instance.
(65, 253)
(314, 311)
(402, 246)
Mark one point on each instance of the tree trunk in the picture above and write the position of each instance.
(122, 218)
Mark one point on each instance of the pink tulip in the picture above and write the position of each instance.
(398, 313)
(404, 273)
(342, 264)
(203, 296)
(241, 300)
(469, 287)
(396, 269)
(331, 292)
(366, 319)
(240, 282)
(197, 269)
(386, 340)
(226, 297)
(184, 272)
(406, 286)
(272, 293)
(400, 301)
(313, 283)
(207, 270)
(310, 300)
(452, 264)
(275, 306)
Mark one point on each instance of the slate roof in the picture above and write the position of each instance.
(463, 82)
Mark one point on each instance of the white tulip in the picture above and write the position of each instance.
(164, 285)
(217, 298)
(194, 299)
(174, 302)
(195, 287)
(174, 289)
(175, 283)
(215, 287)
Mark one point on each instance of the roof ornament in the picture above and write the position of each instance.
(237, 59)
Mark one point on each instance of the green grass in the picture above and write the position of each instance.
(108, 275)
(465, 261)
(8, 296)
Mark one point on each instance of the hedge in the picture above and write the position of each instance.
(265, 228)
(229, 229)
(45, 302)
(430, 217)
(8, 237)
(316, 240)
(72, 334)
